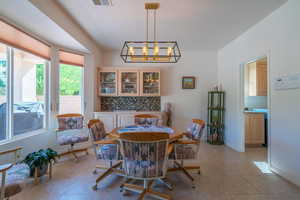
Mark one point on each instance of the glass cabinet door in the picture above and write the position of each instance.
(150, 83)
(129, 83)
(108, 83)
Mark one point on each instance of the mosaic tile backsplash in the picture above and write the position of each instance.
(130, 103)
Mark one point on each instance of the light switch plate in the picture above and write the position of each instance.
(286, 82)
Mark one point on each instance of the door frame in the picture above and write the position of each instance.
(242, 103)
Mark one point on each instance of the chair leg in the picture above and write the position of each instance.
(180, 167)
(106, 173)
(141, 190)
(73, 152)
(166, 183)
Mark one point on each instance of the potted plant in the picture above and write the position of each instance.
(39, 161)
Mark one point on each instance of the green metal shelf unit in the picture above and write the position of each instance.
(215, 124)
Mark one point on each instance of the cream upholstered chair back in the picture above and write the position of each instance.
(108, 152)
(195, 131)
(97, 130)
(70, 121)
(146, 119)
(144, 154)
(189, 151)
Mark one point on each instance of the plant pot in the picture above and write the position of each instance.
(41, 171)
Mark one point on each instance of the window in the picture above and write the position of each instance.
(23, 93)
(3, 92)
(70, 89)
(28, 93)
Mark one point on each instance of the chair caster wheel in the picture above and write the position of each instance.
(95, 172)
(94, 187)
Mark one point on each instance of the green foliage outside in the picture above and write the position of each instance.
(70, 80)
(40, 77)
(2, 77)
(69, 76)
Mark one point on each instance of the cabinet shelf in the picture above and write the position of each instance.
(142, 82)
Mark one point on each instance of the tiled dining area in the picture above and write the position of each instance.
(225, 175)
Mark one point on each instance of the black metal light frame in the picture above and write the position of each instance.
(139, 57)
(150, 51)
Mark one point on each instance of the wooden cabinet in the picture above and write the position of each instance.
(254, 128)
(107, 82)
(109, 120)
(257, 78)
(150, 83)
(128, 82)
(261, 79)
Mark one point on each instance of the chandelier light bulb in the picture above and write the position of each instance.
(156, 50)
(169, 51)
(131, 51)
(145, 51)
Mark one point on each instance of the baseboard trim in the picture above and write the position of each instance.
(287, 176)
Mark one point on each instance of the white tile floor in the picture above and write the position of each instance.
(225, 175)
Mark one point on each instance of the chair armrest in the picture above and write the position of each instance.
(113, 135)
(186, 142)
(175, 137)
(170, 149)
(106, 142)
(10, 151)
(5, 167)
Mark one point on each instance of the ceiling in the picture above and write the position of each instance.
(195, 24)
(23, 13)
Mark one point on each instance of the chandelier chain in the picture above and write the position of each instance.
(147, 17)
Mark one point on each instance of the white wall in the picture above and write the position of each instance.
(278, 35)
(187, 104)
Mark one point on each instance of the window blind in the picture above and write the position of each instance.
(15, 37)
(71, 58)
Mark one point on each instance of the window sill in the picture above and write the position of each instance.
(24, 136)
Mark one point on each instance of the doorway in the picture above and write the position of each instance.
(256, 107)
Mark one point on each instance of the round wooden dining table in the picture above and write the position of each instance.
(145, 128)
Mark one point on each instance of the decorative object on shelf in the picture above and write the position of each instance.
(188, 82)
(215, 126)
(40, 162)
(168, 114)
(150, 51)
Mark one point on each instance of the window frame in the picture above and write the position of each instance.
(10, 98)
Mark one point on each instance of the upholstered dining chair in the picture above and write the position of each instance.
(105, 149)
(13, 175)
(146, 119)
(145, 157)
(187, 148)
(70, 132)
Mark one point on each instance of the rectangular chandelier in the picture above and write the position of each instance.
(150, 52)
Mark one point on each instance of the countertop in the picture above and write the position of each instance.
(257, 110)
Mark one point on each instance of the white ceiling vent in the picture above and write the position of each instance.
(103, 2)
